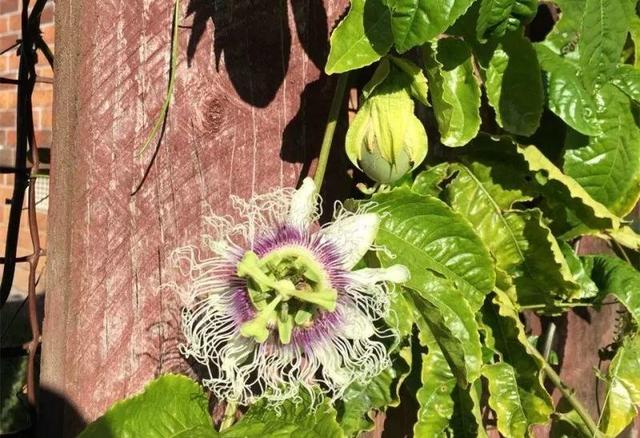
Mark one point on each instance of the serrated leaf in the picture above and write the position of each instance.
(500, 16)
(452, 322)
(293, 418)
(455, 93)
(627, 79)
(363, 37)
(425, 234)
(506, 399)
(520, 242)
(566, 95)
(564, 186)
(428, 181)
(623, 397)
(603, 34)
(587, 287)
(415, 22)
(516, 390)
(608, 165)
(615, 277)
(514, 85)
(418, 85)
(169, 406)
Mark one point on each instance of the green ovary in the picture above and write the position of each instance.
(287, 287)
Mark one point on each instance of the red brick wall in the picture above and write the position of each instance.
(42, 102)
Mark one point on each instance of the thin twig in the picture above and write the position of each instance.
(330, 129)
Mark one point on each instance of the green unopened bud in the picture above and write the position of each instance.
(378, 169)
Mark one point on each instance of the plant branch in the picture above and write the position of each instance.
(567, 393)
(330, 129)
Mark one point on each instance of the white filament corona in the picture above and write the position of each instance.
(339, 348)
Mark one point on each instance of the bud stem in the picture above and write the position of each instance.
(329, 130)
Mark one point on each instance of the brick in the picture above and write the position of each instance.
(10, 137)
(15, 22)
(8, 98)
(47, 16)
(7, 6)
(48, 33)
(44, 137)
(7, 118)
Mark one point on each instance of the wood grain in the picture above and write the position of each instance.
(247, 115)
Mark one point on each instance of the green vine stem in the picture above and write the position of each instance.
(330, 129)
(172, 76)
(567, 393)
(229, 416)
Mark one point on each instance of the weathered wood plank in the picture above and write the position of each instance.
(248, 111)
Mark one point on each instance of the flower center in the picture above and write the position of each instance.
(287, 287)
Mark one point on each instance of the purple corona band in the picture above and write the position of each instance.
(326, 253)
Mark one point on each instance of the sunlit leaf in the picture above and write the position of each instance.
(627, 79)
(608, 165)
(566, 94)
(425, 234)
(622, 401)
(455, 93)
(500, 16)
(170, 406)
(415, 22)
(363, 37)
(603, 34)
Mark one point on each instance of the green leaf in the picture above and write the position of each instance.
(514, 85)
(522, 245)
(379, 75)
(425, 234)
(563, 38)
(455, 93)
(467, 416)
(634, 32)
(627, 79)
(517, 394)
(170, 406)
(604, 32)
(294, 418)
(437, 383)
(418, 85)
(615, 277)
(566, 95)
(587, 287)
(428, 181)
(452, 322)
(360, 399)
(623, 398)
(563, 186)
(415, 22)
(506, 399)
(608, 165)
(500, 16)
(363, 37)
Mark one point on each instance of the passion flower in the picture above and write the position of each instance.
(277, 308)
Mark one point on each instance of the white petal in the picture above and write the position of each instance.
(353, 235)
(355, 324)
(303, 204)
(393, 274)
